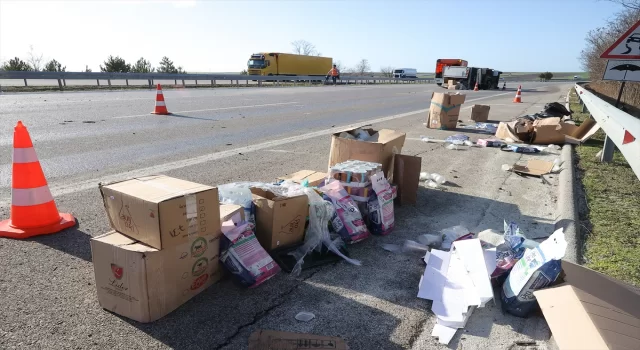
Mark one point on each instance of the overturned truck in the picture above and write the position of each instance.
(466, 77)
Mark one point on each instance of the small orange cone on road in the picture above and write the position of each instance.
(476, 88)
(33, 210)
(518, 98)
(161, 107)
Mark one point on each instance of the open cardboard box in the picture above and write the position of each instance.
(589, 310)
(551, 131)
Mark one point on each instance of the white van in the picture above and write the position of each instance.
(402, 73)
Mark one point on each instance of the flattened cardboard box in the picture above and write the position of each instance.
(591, 310)
(551, 131)
(314, 178)
(143, 283)
(388, 143)
(534, 167)
(162, 211)
(280, 221)
(276, 340)
(444, 110)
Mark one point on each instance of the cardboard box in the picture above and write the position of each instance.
(143, 283)
(275, 340)
(162, 211)
(591, 310)
(314, 178)
(550, 131)
(228, 211)
(388, 143)
(444, 110)
(480, 113)
(406, 175)
(280, 221)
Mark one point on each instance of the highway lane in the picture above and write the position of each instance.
(105, 133)
(49, 280)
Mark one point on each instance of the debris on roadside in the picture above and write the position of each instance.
(263, 339)
(480, 113)
(444, 110)
(534, 167)
(304, 316)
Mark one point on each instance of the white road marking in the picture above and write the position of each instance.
(213, 109)
(62, 189)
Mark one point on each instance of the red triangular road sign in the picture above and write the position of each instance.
(628, 138)
(627, 46)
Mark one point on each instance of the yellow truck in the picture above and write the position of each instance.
(274, 63)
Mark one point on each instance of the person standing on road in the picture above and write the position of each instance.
(334, 73)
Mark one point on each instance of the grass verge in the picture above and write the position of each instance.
(612, 216)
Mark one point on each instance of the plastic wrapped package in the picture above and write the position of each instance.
(347, 219)
(451, 234)
(238, 193)
(243, 256)
(510, 251)
(380, 214)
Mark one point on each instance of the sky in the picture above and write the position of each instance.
(219, 36)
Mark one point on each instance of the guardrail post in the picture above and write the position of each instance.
(196, 81)
(109, 82)
(25, 82)
(60, 84)
(183, 85)
(64, 82)
(175, 81)
(98, 81)
(212, 84)
(259, 82)
(247, 82)
(149, 81)
(609, 146)
(584, 107)
(127, 81)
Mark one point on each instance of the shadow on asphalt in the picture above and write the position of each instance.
(72, 241)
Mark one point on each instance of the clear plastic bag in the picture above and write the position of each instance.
(320, 212)
(238, 193)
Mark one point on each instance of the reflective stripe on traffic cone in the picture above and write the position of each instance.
(33, 210)
(161, 108)
(518, 98)
(476, 88)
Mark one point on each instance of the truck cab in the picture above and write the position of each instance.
(259, 64)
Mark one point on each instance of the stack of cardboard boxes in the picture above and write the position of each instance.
(444, 110)
(164, 248)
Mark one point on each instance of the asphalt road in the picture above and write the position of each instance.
(221, 135)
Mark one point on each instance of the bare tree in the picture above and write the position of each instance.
(303, 47)
(630, 4)
(34, 60)
(387, 71)
(363, 66)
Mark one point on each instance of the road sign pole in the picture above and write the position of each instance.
(609, 146)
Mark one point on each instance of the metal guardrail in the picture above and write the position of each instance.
(621, 128)
(62, 77)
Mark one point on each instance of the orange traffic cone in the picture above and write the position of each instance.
(518, 98)
(33, 210)
(161, 108)
(476, 88)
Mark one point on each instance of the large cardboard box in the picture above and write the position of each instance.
(280, 221)
(314, 178)
(162, 211)
(480, 113)
(143, 283)
(549, 131)
(380, 150)
(591, 310)
(444, 110)
(277, 340)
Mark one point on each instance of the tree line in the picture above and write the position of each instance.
(117, 64)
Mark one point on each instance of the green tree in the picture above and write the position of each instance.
(244, 72)
(166, 66)
(142, 66)
(548, 75)
(115, 64)
(16, 64)
(54, 66)
(87, 69)
(542, 76)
